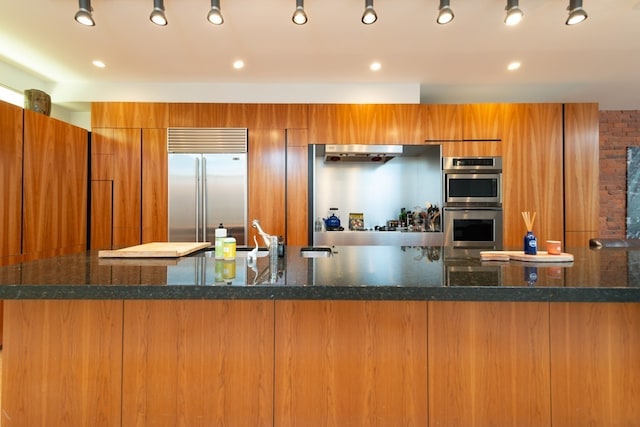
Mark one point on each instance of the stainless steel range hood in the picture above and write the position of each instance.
(361, 153)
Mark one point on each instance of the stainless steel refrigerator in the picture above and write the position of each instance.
(207, 183)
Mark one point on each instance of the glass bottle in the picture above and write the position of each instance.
(530, 243)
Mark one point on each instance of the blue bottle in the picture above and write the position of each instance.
(530, 243)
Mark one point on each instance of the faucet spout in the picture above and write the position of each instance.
(266, 237)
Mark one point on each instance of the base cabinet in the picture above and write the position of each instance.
(319, 363)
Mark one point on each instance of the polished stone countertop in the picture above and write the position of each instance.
(349, 272)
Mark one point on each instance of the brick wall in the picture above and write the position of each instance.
(618, 130)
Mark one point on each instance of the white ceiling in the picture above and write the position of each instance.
(462, 62)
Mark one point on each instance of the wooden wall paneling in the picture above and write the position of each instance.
(101, 228)
(532, 171)
(198, 363)
(252, 116)
(488, 363)
(11, 178)
(155, 221)
(367, 123)
(129, 115)
(55, 186)
(595, 363)
(62, 363)
(443, 122)
(266, 181)
(482, 121)
(581, 169)
(350, 363)
(297, 190)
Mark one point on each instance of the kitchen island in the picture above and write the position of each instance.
(360, 336)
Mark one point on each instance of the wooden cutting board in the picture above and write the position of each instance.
(521, 256)
(155, 250)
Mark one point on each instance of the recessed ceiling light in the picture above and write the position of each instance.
(99, 63)
(238, 64)
(375, 66)
(513, 66)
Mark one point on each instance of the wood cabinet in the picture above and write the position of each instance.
(119, 115)
(54, 187)
(116, 158)
(595, 360)
(252, 116)
(489, 363)
(297, 188)
(11, 178)
(483, 122)
(533, 171)
(581, 173)
(380, 124)
(350, 363)
(198, 363)
(266, 180)
(62, 363)
(155, 193)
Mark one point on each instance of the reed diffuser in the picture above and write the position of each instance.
(530, 241)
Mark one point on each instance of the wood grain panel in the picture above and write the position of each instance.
(101, 231)
(266, 181)
(198, 363)
(55, 186)
(576, 239)
(252, 116)
(61, 363)
(532, 171)
(443, 122)
(129, 115)
(297, 187)
(581, 167)
(11, 178)
(155, 221)
(595, 363)
(488, 364)
(483, 121)
(471, 148)
(341, 363)
(369, 123)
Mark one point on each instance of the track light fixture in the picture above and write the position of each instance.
(514, 14)
(157, 14)
(576, 13)
(215, 15)
(299, 16)
(83, 15)
(445, 14)
(369, 16)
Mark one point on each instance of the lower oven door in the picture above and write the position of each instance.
(473, 227)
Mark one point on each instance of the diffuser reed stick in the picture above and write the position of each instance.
(529, 219)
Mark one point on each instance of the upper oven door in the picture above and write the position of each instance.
(473, 188)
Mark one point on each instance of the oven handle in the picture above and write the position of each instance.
(472, 208)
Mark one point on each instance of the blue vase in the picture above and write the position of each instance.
(530, 243)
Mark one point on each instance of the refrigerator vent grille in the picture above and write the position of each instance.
(207, 140)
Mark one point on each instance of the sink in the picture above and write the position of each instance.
(316, 252)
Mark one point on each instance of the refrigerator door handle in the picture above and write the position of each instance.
(197, 166)
(204, 199)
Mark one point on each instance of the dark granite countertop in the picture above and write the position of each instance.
(351, 272)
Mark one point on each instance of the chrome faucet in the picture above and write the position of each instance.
(266, 237)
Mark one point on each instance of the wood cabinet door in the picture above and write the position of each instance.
(11, 178)
(483, 122)
(533, 172)
(55, 186)
(155, 221)
(488, 364)
(266, 181)
(297, 187)
(198, 363)
(342, 363)
(595, 364)
(581, 172)
(62, 363)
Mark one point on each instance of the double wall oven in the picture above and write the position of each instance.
(472, 211)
